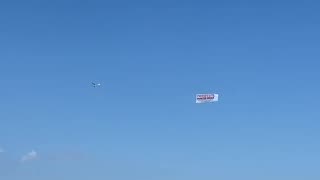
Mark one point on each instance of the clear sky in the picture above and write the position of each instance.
(152, 57)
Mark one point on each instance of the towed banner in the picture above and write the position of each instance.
(206, 98)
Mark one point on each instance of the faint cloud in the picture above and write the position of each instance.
(1, 150)
(30, 156)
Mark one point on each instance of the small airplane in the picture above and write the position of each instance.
(95, 84)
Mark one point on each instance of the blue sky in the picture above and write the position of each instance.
(152, 58)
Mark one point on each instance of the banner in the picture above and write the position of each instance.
(206, 98)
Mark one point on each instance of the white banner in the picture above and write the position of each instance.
(206, 98)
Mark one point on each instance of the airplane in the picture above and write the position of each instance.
(95, 84)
